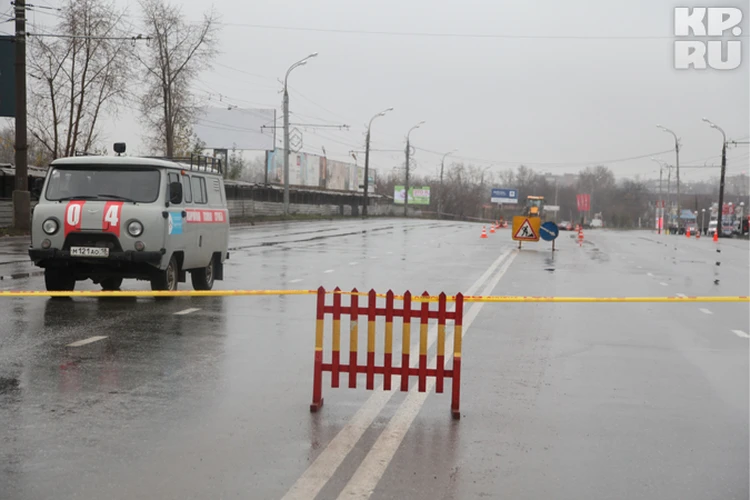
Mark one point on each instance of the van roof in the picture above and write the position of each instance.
(121, 161)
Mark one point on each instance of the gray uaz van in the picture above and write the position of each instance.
(108, 218)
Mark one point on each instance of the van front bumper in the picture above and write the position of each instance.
(63, 256)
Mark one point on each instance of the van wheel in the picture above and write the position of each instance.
(59, 280)
(111, 284)
(167, 279)
(203, 278)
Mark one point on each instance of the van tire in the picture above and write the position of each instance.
(112, 284)
(59, 280)
(167, 279)
(203, 278)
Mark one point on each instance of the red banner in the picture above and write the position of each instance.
(584, 201)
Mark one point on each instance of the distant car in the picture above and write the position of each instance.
(565, 226)
(692, 228)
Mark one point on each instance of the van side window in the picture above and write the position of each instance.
(173, 178)
(199, 190)
(186, 191)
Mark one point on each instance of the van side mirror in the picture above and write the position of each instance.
(175, 193)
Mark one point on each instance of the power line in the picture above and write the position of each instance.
(453, 35)
(549, 164)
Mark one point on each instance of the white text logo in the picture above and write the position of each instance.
(703, 22)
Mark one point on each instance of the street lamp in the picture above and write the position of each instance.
(719, 227)
(299, 63)
(442, 167)
(703, 215)
(661, 200)
(367, 160)
(408, 147)
(677, 166)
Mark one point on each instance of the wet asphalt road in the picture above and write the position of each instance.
(562, 401)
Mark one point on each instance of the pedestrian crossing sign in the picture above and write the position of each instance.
(526, 228)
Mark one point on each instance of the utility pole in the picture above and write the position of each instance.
(367, 161)
(299, 63)
(440, 196)
(406, 186)
(21, 196)
(719, 227)
(408, 148)
(677, 166)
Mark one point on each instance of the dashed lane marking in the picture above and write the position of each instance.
(741, 334)
(681, 295)
(353, 263)
(650, 274)
(89, 340)
(328, 271)
(187, 311)
(663, 284)
(705, 311)
(296, 280)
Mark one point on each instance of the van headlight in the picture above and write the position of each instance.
(50, 226)
(135, 228)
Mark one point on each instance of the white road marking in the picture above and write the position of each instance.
(742, 334)
(681, 295)
(187, 311)
(295, 281)
(328, 271)
(89, 340)
(705, 311)
(650, 274)
(389, 253)
(639, 267)
(353, 263)
(663, 284)
(317, 475)
(371, 470)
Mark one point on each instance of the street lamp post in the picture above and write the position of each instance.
(660, 211)
(677, 166)
(408, 147)
(703, 215)
(442, 167)
(367, 161)
(719, 227)
(299, 63)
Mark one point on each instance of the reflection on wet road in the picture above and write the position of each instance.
(208, 397)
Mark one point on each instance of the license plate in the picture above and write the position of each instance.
(89, 252)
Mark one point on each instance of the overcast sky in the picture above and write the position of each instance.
(556, 104)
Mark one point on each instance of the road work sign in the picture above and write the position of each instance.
(526, 228)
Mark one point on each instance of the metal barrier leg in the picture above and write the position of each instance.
(457, 338)
(317, 399)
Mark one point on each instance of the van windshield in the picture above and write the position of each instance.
(139, 185)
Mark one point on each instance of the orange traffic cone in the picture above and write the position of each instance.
(484, 232)
(580, 236)
(716, 235)
(492, 229)
(687, 232)
(698, 234)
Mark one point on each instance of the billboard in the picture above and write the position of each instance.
(234, 128)
(502, 195)
(583, 201)
(311, 170)
(7, 76)
(417, 195)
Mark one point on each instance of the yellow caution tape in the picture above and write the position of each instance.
(414, 298)
(149, 293)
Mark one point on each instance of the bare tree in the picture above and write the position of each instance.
(78, 77)
(178, 50)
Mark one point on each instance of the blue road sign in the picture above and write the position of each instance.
(549, 231)
(500, 195)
